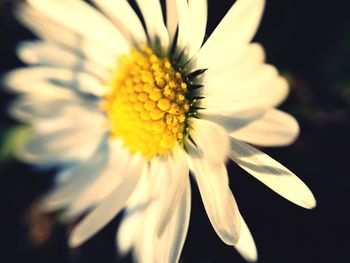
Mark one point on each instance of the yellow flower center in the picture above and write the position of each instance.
(147, 105)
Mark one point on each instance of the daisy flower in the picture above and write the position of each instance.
(127, 100)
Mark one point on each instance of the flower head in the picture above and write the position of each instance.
(126, 112)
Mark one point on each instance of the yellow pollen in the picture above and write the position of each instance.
(147, 105)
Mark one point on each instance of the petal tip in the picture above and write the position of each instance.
(73, 241)
(311, 204)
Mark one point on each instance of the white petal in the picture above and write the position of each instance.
(211, 139)
(271, 173)
(153, 16)
(240, 81)
(235, 30)
(124, 17)
(246, 245)
(111, 206)
(48, 115)
(108, 179)
(137, 206)
(264, 90)
(184, 24)
(217, 198)
(198, 13)
(274, 128)
(45, 53)
(76, 143)
(177, 171)
(233, 121)
(82, 18)
(173, 239)
(149, 247)
(241, 66)
(80, 177)
(145, 249)
(207, 162)
(171, 18)
(52, 31)
(35, 80)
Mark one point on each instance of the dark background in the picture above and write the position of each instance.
(309, 41)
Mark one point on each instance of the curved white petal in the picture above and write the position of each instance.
(241, 66)
(233, 121)
(136, 207)
(265, 90)
(68, 144)
(198, 13)
(108, 179)
(206, 135)
(272, 174)
(246, 245)
(207, 161)
(52, 31)
(82, 18)
(235, 30)
(148, 245)
(274, 128)
(48, 114)
(145, 249)
(124, 17)
(173, 239)
(35, 80)
(45, 53)
(217, 198)
(80, 177)
(153, 16)
(177, 172)
(109, 208)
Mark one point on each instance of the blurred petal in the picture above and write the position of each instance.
(49, 54)
(53, 79)
(274, 128)
(149, 245)
(124, 17)
(81, 17)
(48, 114)
(271, 173)
(52, 31)
(113, 174)
(173, 238)
(136, 207)
(109, 208)
(79, 178)
(145, 249)
(68, 144)
(177, 173)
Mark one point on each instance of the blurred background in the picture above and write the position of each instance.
(309, 41)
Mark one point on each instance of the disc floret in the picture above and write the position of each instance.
(148, 103)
